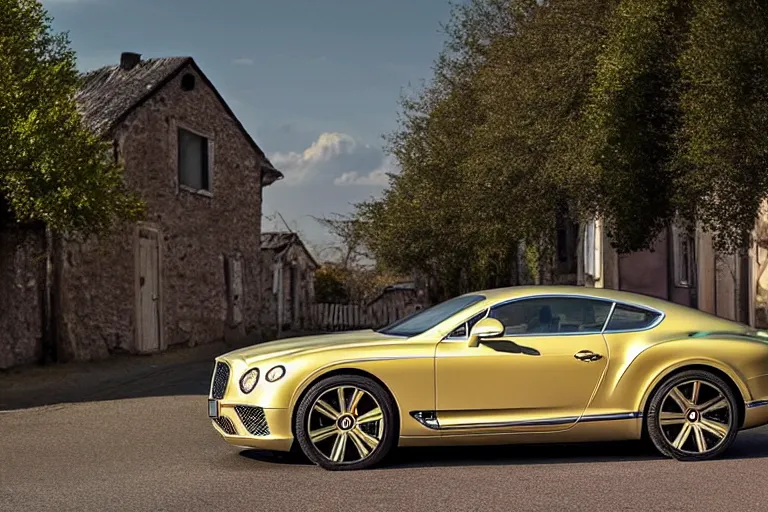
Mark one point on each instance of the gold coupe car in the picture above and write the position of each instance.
(514, 365)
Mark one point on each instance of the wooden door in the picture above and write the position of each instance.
(148, 307)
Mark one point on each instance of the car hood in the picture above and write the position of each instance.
(289, 346)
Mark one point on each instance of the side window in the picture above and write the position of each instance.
(462, 331)
(629, 318)
(562, 315)
(194, 164)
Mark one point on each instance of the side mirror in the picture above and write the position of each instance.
(485, 328)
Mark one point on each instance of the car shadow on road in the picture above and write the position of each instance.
(752, 447)
(84, 385)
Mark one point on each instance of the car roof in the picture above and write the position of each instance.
(514, 292)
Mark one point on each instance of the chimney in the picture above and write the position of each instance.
(129, 60)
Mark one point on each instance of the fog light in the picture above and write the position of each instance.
(249, 380)
(276, 373)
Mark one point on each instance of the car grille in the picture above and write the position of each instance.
(220, 380)
(253, 420)
(226, 425)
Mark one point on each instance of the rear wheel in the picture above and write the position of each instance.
(346, 422)
(693, 416)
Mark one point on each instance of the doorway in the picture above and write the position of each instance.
(148, 295)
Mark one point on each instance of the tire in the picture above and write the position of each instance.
(707, 428)
(356, 438)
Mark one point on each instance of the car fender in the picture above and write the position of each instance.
(409, 379)
(354, 365)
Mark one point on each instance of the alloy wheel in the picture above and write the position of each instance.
(695, 417)
(346, 424)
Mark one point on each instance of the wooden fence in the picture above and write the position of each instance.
(348, 317)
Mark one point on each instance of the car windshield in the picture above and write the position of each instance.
(422, 321)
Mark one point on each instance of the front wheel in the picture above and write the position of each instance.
(693, 416)
(346, 422)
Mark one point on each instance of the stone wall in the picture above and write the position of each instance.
(196, 233)
(21, 264)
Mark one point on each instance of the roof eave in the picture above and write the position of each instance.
(269, 174)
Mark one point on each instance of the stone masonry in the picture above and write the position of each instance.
(199, 231)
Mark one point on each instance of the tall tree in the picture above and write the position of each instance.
(52, 168)
(723, 149)
(433, 218)
(639, 111)
(676, 120)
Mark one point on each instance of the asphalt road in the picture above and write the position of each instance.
(142, 442)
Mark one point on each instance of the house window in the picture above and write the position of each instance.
(593, 261)
(683, 257)
(194, 163)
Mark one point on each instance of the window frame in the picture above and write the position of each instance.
(465, 323)
(604, 330)
(659, 318)
(593, 249)
(209, 162)
(683, 279)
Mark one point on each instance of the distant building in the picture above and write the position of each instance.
(684, 268)
(287, 283)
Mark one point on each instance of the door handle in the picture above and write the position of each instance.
(587, 356)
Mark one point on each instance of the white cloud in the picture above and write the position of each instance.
(377, 177)
(243, 62)
(331, 175)
(334, 158)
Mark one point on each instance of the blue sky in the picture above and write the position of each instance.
(315, 82)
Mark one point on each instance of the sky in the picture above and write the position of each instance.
(315, 82)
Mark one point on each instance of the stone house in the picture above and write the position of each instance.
(190, 272)
(288, 289)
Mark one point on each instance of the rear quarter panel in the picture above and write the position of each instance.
(639, 361)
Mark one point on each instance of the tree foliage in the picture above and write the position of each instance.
(329, 285)
(639, 111)
(349, 245)
(675, 118)
(351, 276)
(52, 168)
(723, 153)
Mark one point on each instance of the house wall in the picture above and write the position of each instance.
(724, 284)
(646, 271)
(706, 265)
(21, 265)
(649, 272)
(99, 284)
(727, 287)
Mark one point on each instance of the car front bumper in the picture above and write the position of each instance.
(251, 426)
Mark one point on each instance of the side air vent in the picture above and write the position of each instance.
(253, 420)
(226, 425)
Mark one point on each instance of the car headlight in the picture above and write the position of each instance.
(276, 373)
(249, 380)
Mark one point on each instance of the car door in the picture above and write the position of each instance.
(539, 376)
